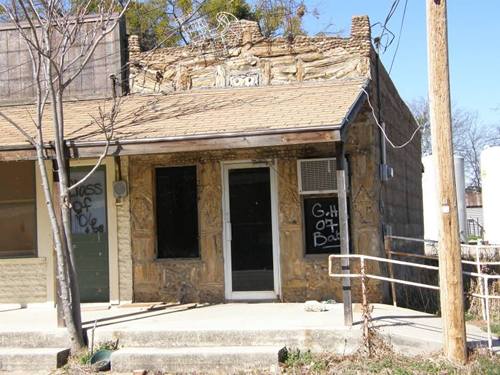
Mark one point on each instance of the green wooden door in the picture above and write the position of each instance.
(89, 228)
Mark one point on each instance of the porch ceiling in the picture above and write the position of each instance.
(207, 115)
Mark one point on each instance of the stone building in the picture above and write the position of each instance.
(233, 174)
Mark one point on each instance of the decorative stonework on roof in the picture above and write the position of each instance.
(253, 61)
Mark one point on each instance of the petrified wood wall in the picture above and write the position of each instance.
(199, 279)
(302, 277)
(252, 61)
(305, 277)
(362, 148)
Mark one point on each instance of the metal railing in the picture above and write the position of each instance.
(474, 228)
(485, 296)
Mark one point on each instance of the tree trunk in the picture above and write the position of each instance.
(64, 182)
(70, 296)
(74, 329)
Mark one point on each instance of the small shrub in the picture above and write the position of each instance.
(297, 359)
(469, 316)
(495, 328)
(84, 357)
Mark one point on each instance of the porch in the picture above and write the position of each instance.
(235, 336)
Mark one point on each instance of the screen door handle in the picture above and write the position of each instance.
(229, 232)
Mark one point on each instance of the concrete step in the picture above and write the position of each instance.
(341, 340)
(32, 360)
(228, 359)
(56, 338)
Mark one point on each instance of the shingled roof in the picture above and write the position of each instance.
(197, 113)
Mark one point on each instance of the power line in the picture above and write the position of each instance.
(399, 36)
(385, 31)
(382, 129)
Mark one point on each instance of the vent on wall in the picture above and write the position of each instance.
(317, 176)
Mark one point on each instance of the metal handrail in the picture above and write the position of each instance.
(485, 296)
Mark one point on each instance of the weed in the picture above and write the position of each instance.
(495, 328)
(469, 316)
(487, 366)
(84, 357)
(295, 358)
(390, 363)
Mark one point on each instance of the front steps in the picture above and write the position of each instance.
(32, 360)
(57, 337)
(218, 351)
(214, 359)
(32, 352)
(338, 340)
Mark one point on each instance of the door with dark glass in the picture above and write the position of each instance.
(251, 245)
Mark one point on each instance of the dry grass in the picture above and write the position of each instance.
(387, 362)
(79, 364)
(475, 305)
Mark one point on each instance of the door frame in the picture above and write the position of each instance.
(226, 215)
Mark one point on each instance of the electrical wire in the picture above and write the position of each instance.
(382, 129)
(399, 36)
(385, 30)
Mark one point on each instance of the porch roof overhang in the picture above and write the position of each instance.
(196, 120)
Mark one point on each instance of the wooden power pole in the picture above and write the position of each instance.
(450, 262)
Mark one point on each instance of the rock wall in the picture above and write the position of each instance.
(362, 150)
(401, 203)
(302, 276)
(251, 60)
(402, 194)
(23, 280)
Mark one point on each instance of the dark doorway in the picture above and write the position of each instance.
(251, 229)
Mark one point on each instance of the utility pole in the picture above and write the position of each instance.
(450, 262)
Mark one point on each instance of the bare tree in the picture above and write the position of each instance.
(470, 137)
(50, 30)
(281, 17)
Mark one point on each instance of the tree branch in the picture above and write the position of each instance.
(21, 130)
(108, 133)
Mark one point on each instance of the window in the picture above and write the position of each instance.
(176, 212)
(321, 224)
(17, 209)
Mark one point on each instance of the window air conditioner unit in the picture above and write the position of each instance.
(317, 176)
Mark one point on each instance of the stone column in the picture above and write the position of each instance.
(134, 47)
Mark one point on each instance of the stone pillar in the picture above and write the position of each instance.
(134, 47)
(361, 36)
(360, 27)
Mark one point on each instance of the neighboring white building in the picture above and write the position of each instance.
(431, 200)
(490, 176)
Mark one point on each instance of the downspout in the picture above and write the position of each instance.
(343, 201)
(383, 167)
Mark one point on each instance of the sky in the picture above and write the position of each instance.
(474, 47)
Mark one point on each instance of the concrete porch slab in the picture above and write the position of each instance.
(240, 324)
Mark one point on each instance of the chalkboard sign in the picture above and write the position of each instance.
(321, 219)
